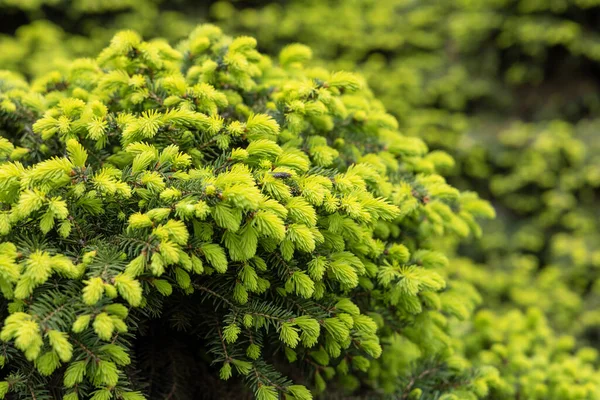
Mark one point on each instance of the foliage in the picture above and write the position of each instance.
(547, 195)
(272, 215)
(534, 362)
(40, 36)
(507, 87)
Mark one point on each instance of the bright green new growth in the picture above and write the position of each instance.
(509, 89)
(273, 216)
(455, 73)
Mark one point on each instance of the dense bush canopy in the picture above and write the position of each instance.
(189, 147)
(270, 212)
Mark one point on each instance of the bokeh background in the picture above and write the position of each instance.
(506, 91)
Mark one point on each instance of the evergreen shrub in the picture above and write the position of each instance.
(173, 215)
(507, 87)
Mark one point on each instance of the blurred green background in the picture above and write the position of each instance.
(508, 88)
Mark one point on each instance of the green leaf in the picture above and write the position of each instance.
(266, 393)
(93, 291)
(163, 287)
(77, 154)
(289, 334)
(75, 373)
(60, 344)
(215, 256)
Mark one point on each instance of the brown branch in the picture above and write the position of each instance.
(414, 380)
